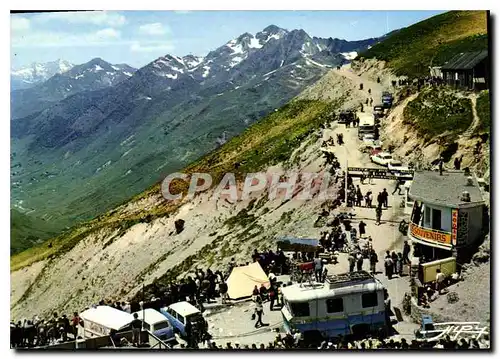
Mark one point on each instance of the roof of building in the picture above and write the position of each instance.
(465, 60)
(445, 190)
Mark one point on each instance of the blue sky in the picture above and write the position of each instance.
(139, 37)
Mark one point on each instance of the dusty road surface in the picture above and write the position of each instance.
(235, 325)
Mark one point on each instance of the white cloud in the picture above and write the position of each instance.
(19, 23)
(353, 23)
(153, 29)
(108, 36)
(102, 18)
(151, 47)
(108, 33)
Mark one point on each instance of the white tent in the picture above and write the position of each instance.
(243, 279)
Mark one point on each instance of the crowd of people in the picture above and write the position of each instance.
(294, 340)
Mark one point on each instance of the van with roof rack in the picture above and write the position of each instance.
(349, 304)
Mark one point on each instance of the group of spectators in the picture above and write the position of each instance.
(294, 340)
(39, 332)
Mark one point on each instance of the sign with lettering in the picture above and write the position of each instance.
(431, 235)
(379, 173)
(454, 226)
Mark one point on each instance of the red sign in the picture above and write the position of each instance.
(454, 226)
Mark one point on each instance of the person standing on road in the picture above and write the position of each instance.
(378, 215)
(352, 262)
(388, 265)
(359, 196)
(406, 253)
(380, 199)
(440, 277)
(385, 198)
(362, 226)
(259, 311)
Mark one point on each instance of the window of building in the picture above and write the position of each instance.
(335, 305)
(436, 219)
(369, 300)
(300, 309)
(427, 216)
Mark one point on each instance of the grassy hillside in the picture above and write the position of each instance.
(26, 230)
(267, 142)
(434, 41)
(438, 113)
(483, 112)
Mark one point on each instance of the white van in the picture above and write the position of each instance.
(100, 320)
(157, 324)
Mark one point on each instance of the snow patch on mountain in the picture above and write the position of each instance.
(350, 55)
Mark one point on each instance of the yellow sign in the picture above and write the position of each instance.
(454, 226)
(430, 234)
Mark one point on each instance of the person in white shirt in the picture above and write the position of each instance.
(440, 277)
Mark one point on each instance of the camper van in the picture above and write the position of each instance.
(178, 314)
(99, 321)
(157, 324)
(346, 304)
(366, 125)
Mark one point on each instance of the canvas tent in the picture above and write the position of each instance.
(243, 279)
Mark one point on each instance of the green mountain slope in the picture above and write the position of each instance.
(268, 141)
(26, 230)
(432, 42)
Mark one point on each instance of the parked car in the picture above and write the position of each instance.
(157, 324)
(178, 314)
(368, 139)
(381, 158)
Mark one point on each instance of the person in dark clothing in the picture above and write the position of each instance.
(263, 293)
(362, 227)
(136, 326)
(380, 199)
(373, 261)
(385, 198)
(399, 183)
(406, 253)
(359, 196)
(378, 215)
(273, 293)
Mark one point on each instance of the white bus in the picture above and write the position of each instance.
(366, 124)
(346, 304)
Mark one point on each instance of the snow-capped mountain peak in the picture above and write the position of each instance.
(27, 76)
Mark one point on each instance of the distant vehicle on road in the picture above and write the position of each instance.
(382, 158)
(387, 99)
(378, 111)
(395, 166)
(346, 116)
(366, 124)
